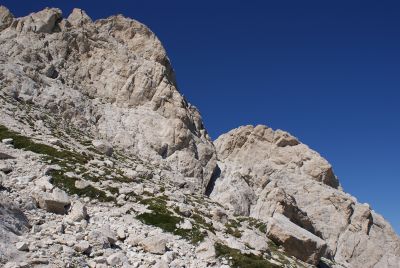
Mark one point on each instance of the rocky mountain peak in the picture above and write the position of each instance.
(103, 163)
(79, 18)
(111, 77)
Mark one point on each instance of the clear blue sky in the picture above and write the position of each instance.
(326, 71)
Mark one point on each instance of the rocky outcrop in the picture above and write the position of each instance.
(13, 222)
(109, 163)
(57, 201)
(296, 241)
(111, 78)
(264, 172)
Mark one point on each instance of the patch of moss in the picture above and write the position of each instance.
(23, 142)
(165, 219)
(232, 228)
(113, 190)
(121, 176)
(241, 260)
(68, 185)
(87, 176)
(255, 223)
(201, 221)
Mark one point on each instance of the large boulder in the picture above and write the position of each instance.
(296, 241)
(78, 212)
(264, 172)
(56, 201)
(156, 244)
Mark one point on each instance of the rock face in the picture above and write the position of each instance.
(112, 167)
(264, 172)
(296, 241)
(13, 223)
(111, 78)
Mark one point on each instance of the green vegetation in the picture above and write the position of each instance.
(25, 143)
(272, 246)
(240, 260)
(232, 228)
(202, 222)
(68, 184)
(255, 223)
(165, 219)
(67, 160)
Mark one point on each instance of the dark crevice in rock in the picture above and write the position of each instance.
(4, 156)
(211, 184)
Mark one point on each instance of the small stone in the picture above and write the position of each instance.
(92, 264)
(44, 183)
(206, 250)
(186, 225)
(82, 246)
(154, 244)
(81, 184)
(109, 163)
(35, 229)
(103, 147)
(115, 259)
(185, 210)
(6, 168)
(78, 212)
(7, 141)
(121, 233)
(55, 141)
(22, 246)
(169, 256)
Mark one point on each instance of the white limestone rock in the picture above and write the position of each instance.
(78, 212)
(275, 173)
(116, 259)
(56, 202)
(297, 242)
(82, 246)
(123, 92)
(103, 147)
(65, 82)
(6, 18)
(206, 251)
(22, 246)
(154, 244)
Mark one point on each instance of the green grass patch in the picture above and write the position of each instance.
(68, 185)
(232, 228)
(241, 260)
(25, 143)
(201, 221)
(255, 223)
(67, 160)
(259, 225)
(165, 219)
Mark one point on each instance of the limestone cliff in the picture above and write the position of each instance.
(103, 163)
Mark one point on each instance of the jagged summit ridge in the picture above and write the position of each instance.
(111, 77)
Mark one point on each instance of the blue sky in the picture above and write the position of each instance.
(326, 71)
